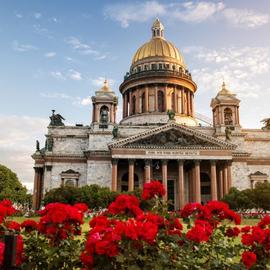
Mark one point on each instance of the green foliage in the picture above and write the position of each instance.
(64, 194)
(11, 188)
(261, 196)
(40, 254)
(93, 195)
(257, 198)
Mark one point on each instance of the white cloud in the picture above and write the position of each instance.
(50, 54)
(57, 75)
(74, 100)
(98, 82)
(17, 144)
(19, 15)
(75, 75)
(243, 68)
(42, 31)
(83, 48)
(37, 15)
(54, 19)
(196, 12)
(245, 18)
(189, 12)
(86, 101)
(138, 12)
(16, 46)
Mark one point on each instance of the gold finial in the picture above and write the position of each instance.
(223, 85)
(106, 83)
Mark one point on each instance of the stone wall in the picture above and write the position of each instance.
(99, 172)
(53, 178)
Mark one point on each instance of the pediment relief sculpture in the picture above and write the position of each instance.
(169, 139)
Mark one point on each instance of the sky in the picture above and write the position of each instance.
(56, 54)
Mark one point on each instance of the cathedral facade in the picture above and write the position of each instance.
(159, 136)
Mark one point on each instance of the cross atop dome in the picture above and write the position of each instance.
(157, 29)
(224, 91)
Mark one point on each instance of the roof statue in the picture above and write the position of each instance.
(171, 114)
(228, 133)
(266, 123)
(56, 119)
(37, 146)
(115, 132)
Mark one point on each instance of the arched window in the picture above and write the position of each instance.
(133, 105)
(161, 101)
(228, 120)
(143, 102)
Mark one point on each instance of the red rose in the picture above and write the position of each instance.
(247, 239)
(232, 232)
(29, 225)
(264, 222)
(125, 204)
(83, 207)
(248, 259)
(200, 232)
(152, 189)
(13, 225)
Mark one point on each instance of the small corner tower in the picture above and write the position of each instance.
(104, 107)
(225, 107)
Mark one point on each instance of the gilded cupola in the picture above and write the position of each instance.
(158, 49)
(158, 83)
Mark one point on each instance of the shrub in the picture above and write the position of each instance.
(93, 195)
(126, 237)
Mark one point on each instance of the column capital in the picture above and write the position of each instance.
(114, 161)
(147, 162)
(197, 161)
(213, 162)
(38, 169)
(180, 161)
(131, 161)
(164, 161)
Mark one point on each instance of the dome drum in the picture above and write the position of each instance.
(158, 82)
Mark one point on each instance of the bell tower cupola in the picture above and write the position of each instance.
(225, 108)
(104, 107)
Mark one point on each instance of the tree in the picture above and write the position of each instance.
(11, 188)
(261, 196)
(248, 199)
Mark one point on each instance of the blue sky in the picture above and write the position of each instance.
(55, 54)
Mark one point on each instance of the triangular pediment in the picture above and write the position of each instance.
(172, 135)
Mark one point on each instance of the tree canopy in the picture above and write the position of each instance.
(257, 198)
(11, 188)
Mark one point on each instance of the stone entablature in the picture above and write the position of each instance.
(183, 154)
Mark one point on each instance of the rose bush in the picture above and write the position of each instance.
(127, 237)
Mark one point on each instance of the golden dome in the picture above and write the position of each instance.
(158, 47)
(224, 91)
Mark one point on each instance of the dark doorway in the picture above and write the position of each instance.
(124, 182)
(205, 187)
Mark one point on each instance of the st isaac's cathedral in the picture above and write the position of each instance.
(159, 136)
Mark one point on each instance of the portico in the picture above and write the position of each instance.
(191, 168)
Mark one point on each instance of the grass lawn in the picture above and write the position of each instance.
(85, 226)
